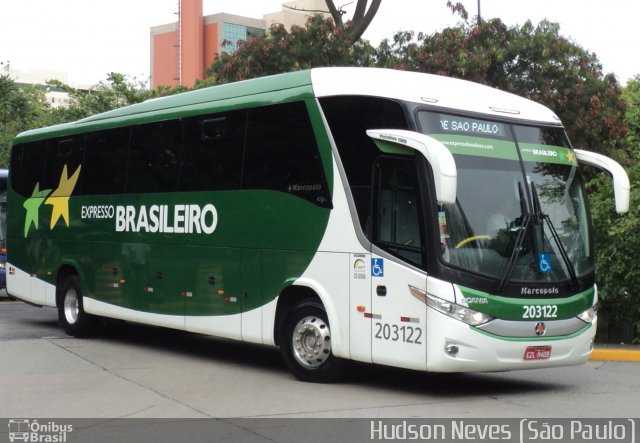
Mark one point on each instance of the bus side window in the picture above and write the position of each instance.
(212, 152)
(396, 221)
(63, 152)
(213, 129)
(153, 157)
(28, 160)
(349, 118)
(281, 153)
(105, 162)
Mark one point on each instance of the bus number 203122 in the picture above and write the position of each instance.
(404, 333)
(540, 311)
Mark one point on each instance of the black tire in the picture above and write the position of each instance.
(305, 344)
(71, 315)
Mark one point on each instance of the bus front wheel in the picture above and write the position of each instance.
(305, 344)
(71, 313)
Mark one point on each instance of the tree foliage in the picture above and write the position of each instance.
(631, 96)
(618, 270)
(26, 107)
(115, 92)
(531, 61)
(319, 43)
(617, 237)
(21, 108)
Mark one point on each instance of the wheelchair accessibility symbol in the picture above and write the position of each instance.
(544, 262)
(377, 267)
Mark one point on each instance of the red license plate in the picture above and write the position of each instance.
(537, 352)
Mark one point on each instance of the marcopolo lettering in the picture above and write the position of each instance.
(539, 291)
(183, 219)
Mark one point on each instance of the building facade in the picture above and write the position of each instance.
(296, 13)
(182, 51)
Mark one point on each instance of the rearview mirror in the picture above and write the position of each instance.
(621, 185)
(439, 157)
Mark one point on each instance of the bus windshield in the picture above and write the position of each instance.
(520, 213)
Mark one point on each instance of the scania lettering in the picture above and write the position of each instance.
(387, 217)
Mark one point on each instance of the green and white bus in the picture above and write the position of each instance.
(387, 217)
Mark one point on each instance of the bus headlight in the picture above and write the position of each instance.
(589, 315)
(461, 313)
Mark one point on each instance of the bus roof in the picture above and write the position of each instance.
(427, 89)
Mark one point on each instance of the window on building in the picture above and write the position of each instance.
(234, 33)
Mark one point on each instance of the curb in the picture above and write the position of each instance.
(627, 355)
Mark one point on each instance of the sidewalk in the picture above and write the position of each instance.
(611, 352)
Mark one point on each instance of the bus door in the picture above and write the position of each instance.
(398, 317)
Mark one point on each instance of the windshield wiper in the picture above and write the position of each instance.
(526, 221)
(541, 217)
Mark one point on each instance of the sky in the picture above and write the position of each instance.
(90, 38)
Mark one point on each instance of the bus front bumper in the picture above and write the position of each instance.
(453, 346)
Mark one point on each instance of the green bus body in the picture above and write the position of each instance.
(262, 243)
(270, 209)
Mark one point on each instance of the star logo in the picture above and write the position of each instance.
(32, 206)
(571, 158)
(59, 199)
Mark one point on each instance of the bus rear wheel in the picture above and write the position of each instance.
(71, 315)
(305, 344)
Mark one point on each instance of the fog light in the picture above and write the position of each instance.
(452, 350)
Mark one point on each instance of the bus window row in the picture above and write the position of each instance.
(270, 147)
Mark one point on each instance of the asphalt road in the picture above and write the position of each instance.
(132, 371)
(136, 371)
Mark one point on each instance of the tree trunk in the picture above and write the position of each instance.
(361, 18)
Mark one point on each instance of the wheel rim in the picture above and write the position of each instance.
(71, 306)
(311, 342)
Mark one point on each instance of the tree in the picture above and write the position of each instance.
(21, 108)
(361, 20)
(534, 62)
(26, 107)
(618, 272)
(115, 92)
(319, 43)
(631, 97)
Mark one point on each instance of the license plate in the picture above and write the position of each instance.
(537, 352)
